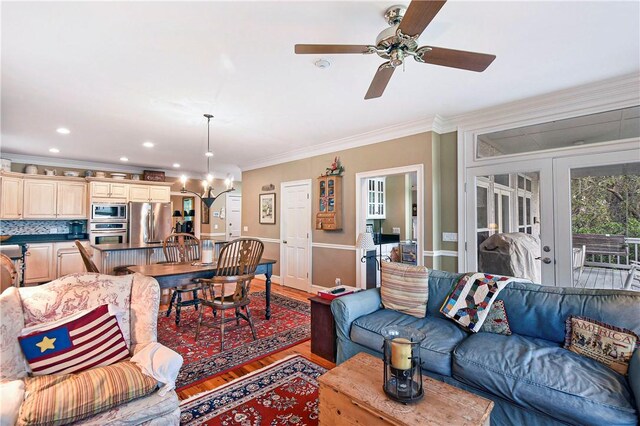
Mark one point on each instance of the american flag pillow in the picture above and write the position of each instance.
(91, 340)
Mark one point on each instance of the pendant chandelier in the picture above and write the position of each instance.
(207, 196)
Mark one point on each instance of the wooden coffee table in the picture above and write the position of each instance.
(351, 394)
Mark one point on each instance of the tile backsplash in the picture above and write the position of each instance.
(36, 227)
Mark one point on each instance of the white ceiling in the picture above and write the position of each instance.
(121, 73)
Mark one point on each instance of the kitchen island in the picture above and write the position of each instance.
(107, 257)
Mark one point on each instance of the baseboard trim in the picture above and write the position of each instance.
(440, 253)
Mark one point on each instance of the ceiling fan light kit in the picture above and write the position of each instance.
(399, 41)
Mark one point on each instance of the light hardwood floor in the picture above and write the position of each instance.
(303, 349)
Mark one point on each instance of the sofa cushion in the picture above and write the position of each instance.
(58, 400)
(76, 292)
(78, 343)
(405, 288)
(541, 375)
(435, 349)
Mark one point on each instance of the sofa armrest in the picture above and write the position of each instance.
(634, 376)
(161, 363)
(347, 309)
(12, 396)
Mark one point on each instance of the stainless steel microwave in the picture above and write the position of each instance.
(109, 212)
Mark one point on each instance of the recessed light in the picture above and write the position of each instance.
(54, 150)
(124, 159)
(176, 165)
(148, 144)
(63, 130)
(208, 154)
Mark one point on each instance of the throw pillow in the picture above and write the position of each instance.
(91, 340)
(607, 344)
(497, 321)
(470, 299)
(58, 400)
(405, 288)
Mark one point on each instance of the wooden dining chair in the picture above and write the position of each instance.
(8, 272)
(229, 288)
(182, 248)
(86, 258)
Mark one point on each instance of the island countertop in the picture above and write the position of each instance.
(134, 246)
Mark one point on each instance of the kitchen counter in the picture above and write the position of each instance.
(39, 238)
(137, 246)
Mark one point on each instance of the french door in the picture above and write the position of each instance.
(534, 197)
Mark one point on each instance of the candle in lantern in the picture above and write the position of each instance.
(401, 353)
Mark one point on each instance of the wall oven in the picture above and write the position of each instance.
(109, 212)
(108, 233)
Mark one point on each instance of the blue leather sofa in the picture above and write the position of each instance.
(529, 376)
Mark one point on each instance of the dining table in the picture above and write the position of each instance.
(171, 275)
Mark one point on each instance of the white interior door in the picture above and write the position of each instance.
(295, 232)
(233, 216)
(491, 190)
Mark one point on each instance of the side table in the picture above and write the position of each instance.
(323, 329)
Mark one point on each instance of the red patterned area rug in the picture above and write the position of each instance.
(283, 393)
(288, 326)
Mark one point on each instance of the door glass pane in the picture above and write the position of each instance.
(503, 249)
(505, 207)
(502, 180)
(528, 184)
(481, 195)
(605, 225)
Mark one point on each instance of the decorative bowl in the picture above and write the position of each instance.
(118, 175)
(71, 173)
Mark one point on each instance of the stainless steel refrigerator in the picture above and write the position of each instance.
(149, 222)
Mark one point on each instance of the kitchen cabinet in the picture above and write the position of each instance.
(109, 190)
(148, 193)
(376, 198)
(39, 263)
(11, 197)
(159, 194)
(329, 216)
(39, 199)
(47, 199)
(139, 193)
(68, 259)
(72, 200)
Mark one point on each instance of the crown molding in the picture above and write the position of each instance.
(613, 93)
(368, 138)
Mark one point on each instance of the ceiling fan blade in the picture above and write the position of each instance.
(380, 81)
(331, 48)
(418, 15)
(471, 61)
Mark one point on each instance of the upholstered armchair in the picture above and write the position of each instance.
(137, 299)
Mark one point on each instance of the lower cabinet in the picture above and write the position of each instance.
(47, 261)
(39, 265)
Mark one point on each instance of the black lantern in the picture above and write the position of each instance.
(402, 372)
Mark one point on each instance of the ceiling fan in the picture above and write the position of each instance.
(400, 41)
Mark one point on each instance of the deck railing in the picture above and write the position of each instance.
(615, 261)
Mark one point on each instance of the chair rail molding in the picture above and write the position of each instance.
(333, 246)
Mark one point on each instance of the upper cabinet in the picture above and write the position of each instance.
(72, 200)
(148, 193)
(376, 198)
(11, 197)
(110, 190)
(329, 216)
(46, 199)
(39, 199)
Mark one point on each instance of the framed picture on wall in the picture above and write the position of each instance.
(205, 215)
(268, 209)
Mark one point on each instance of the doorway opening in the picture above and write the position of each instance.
(389, 204)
